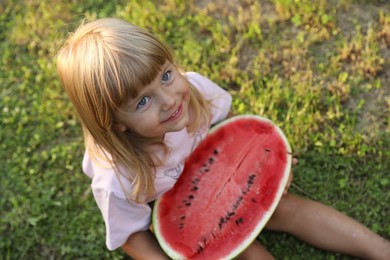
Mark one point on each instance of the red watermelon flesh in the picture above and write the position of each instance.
(228, 190)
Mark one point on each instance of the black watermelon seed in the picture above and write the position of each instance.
(188, 204)
(191, 197)
(194, 188)
(215, 151)
(239, 221)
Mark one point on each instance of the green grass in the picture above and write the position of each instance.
(319, 69)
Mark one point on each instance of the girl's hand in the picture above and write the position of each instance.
(290, 178)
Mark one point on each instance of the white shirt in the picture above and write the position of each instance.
(124, 217)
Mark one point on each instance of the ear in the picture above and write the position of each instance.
(120, 127)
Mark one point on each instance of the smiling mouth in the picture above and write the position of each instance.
(175, 114)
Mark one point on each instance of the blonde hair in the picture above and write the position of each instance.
(103, 64)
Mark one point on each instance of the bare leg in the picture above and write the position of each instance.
(254, 252)
(327, 228)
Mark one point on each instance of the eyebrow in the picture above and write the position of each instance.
(165, 67)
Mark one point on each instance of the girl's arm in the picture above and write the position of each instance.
(143, 245)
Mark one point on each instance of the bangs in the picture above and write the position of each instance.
(134, 75)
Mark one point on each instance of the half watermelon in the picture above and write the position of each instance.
(230, 186)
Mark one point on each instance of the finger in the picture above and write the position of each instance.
(294, 161)
(290, 178)
(286, 190)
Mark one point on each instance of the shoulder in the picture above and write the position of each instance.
(208, 88)
(220, 99)
(192, 75)
(198, 80)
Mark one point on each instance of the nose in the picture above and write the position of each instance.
(167, 100)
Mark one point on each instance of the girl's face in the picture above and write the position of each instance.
(161, 107)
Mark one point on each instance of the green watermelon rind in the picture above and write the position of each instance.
(251, 237)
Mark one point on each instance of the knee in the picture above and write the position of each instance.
(284, 215)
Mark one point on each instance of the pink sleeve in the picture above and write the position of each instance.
(122, 217)
(220, 98)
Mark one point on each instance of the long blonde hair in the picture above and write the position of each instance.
(103, 64)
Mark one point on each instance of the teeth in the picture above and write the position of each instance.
(174, 114)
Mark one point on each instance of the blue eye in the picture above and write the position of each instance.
(143, 102)
(165, 78)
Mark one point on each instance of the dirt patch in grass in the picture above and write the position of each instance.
(371, 95)
(374, 115)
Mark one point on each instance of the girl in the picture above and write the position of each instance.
(142, 117)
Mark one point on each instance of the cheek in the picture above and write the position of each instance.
(187, 94)
(186, 90)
